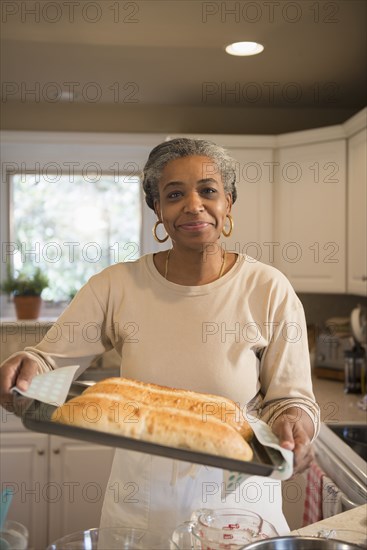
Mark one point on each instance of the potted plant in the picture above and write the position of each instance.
(26, 290)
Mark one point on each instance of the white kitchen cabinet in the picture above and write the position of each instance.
(253, 209)
(310, 214)
(357, 214)
(58, 483)
(24, 470)
(79, 474)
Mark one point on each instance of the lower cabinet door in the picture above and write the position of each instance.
(24, 471)
(79, 473)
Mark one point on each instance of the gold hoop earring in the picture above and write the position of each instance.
(229, 232)
(154, 231)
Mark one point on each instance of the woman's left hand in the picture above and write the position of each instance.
(295, 429)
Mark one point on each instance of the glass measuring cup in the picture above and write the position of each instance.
(227, 528)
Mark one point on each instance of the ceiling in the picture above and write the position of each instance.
(165, 57)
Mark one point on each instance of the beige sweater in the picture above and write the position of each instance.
(243, 336)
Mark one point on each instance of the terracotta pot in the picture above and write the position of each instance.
(27, 307)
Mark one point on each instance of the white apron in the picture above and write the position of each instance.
(157, 493)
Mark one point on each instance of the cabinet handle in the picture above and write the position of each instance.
(56, 451)
(40, 452)
(364, 278)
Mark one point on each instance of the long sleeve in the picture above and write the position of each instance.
(285, 371)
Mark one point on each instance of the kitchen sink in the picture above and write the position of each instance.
(354, 435)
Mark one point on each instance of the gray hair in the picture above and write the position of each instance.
(167, 151)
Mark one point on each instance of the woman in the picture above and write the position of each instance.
(197, 317)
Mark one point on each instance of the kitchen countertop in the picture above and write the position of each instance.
(336, 408)
(335, 405)
(352, 525)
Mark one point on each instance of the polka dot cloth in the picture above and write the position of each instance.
(52, 387)
(264, 434)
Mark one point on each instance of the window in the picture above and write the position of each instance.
(73, 227)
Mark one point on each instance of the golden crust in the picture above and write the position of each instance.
(113, 413)
(203, 404)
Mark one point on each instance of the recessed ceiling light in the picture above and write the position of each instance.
(244, 48)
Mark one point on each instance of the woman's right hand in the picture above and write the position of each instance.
(16, 371)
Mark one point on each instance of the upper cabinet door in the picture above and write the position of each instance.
(357, 214)
(310, 220)
(253, 210)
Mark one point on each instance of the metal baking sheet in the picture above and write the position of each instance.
(37, 417)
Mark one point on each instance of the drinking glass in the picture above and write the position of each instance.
(114, 538)
(14, 536)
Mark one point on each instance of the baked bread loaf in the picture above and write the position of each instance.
(204, 404)
(109, 407)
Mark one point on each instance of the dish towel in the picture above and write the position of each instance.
(332, 498)
(314, 495)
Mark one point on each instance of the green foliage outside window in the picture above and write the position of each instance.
(71, 228)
